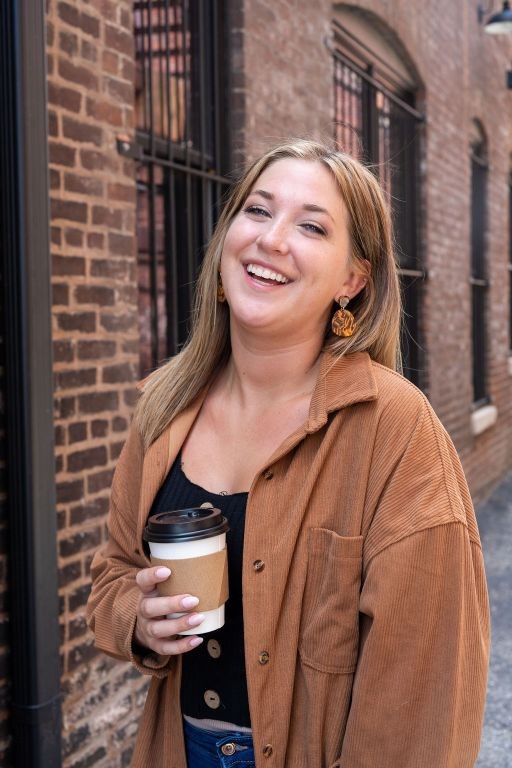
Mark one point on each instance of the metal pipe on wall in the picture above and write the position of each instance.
(26, 273)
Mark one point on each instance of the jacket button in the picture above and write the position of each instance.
(264, 657)
(228, 749)
(258, 565)
(212, 699)
(268, 474)
(267, 750)
(213, 648)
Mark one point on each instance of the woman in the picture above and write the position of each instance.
(364, 641)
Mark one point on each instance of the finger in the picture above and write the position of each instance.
(152, 607)
(148, 577)
(180, 645)
(167, 627)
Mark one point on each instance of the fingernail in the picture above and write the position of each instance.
(190, 602)
(163, 573)
(196, 619)
(195, 642)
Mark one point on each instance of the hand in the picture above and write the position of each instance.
(152, 629)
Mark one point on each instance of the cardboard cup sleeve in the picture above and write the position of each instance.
(204, 577)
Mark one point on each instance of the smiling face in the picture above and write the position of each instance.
(286, 254)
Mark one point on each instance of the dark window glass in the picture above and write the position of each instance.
(182, 142)
(479, 281)
(376, 122)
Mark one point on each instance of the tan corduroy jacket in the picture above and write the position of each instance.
(372, 603)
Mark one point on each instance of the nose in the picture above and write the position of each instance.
(274, 238)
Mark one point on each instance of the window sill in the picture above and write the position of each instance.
(510, 365)
(483, 418)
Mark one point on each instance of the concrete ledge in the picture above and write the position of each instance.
(483, 418)
(510, 365)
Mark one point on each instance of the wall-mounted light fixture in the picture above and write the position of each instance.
(500, 23)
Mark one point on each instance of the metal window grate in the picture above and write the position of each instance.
(375, 121)
(182, 154)
(478, 280)
(510, 262)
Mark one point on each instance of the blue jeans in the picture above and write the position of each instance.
(217, 749)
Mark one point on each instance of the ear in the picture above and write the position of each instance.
(355, 281)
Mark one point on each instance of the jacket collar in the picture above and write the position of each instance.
(341, 382)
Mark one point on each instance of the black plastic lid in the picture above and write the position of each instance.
(185, 525)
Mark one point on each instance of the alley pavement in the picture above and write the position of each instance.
(495, 523)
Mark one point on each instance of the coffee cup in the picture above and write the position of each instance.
(192, 543)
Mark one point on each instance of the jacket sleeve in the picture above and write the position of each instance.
(112, 605)
(420, 682)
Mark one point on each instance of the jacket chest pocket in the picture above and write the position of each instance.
(329, 633)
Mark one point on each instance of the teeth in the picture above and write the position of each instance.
(266, 273)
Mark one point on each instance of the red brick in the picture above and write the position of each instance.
(86, 23)
(63, 351)
(85, 377)
(55, 235)
(87, 459)
(68, 265)
(118, 269)
(99, 481)
(84, 185)
(118, 39)
(80, 542)
(95, 402)
(70, 491)
(95, 294)
(99, 427)
(105, 111)
(74, 237)
(60, 293)
(120, 245)
(96, 350)
(78, 75)
(68, 43)
(54, 179)
(118, 323)
(81, 132)
(68, 209)
(95, 240)
(109, 217)
(77, 321)
(121, 373)
(120, 90)
(61, 155)
(77, 432)
(65, 98)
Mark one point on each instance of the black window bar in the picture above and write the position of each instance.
(478, 279)
(510, 263)
(376, 122)
(181, 148)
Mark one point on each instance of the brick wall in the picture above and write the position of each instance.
(95, 332)
(281, 84)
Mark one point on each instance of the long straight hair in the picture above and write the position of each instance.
(377, 308)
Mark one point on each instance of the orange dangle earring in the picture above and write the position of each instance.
(343, 322)
(221, 296)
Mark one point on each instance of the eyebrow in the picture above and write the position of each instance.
(306, 207)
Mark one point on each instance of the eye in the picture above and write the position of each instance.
(257, 210)
(310, 227)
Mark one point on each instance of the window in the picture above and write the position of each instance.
(181, 148)
(478, 279)
(377, 122)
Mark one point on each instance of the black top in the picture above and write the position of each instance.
(213, 683)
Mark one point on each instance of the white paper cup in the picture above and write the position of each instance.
(186, 534)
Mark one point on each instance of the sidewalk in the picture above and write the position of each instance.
(495, 523)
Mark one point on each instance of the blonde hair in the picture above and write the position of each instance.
(377, 308)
